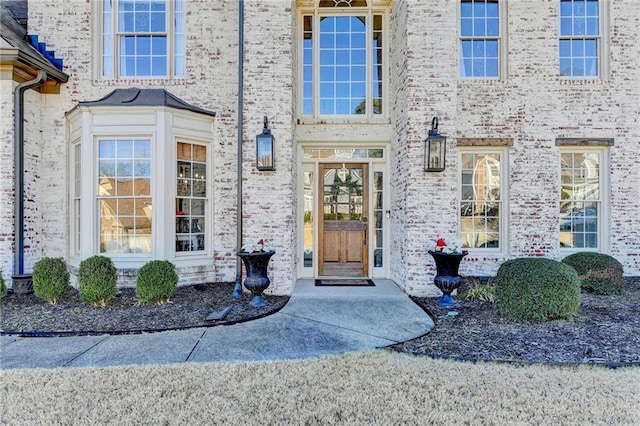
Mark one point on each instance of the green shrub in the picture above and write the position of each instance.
(50, 279)
(474, 288)
(156, 282)
(536, 290)
(98, 280)
(599, 273)
(3, 286)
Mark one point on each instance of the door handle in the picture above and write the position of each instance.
(366, 230)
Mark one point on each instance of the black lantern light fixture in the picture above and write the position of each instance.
(264, 148)
(435, 149)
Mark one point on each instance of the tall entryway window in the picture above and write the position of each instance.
(343, 215)
(343, 60)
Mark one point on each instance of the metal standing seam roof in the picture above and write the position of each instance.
(145, 97)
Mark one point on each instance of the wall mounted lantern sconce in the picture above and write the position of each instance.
(435, 149)
(264, 148)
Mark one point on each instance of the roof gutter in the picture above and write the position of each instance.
(237, 289)
(18, 139)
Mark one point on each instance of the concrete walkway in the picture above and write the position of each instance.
(316, 321)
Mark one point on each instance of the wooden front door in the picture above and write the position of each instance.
(343, 228)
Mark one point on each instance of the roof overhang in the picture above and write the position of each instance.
(21, 66)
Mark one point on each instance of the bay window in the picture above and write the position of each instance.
(139, 179)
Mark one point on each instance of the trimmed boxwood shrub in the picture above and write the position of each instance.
(98, 280)
(536, 290)
(156, 281)
(3, 286)
(50, 279)
(599, 273)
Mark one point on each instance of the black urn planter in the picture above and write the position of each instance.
(447, 278)
(256, 280)
(22, 284)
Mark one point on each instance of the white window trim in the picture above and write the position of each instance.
(603, 42)
(503, 51)
(504, 197)
(153, 123)
(208, 200)
(98, 31)
(369, 117)
(605, 196)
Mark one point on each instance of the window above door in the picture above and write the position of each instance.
(343, 60)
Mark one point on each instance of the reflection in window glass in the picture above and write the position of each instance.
(378, 219)
(343, 153)
(479, 38)
(481, 200)
(580, 199)
(124, 196)
(308, 220)
(191, 193)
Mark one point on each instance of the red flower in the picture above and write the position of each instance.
(441, 243)
(261, 241)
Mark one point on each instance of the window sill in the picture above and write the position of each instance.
(472, 81)
(577, 81)
(140, 81)
(341, 120)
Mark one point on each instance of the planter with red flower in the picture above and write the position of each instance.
(447, 260)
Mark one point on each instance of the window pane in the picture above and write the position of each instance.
(191, 190)
(142, 54)
(580, 173)
(579, 18)
(479, 44)
(343, 71)
(480, 206)
(124, 220)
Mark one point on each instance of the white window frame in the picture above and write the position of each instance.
(164, 128)
(107, 28)
(603, 211)
(373, 8)
(75, 191)
(602, 42)
(205, 199)
(501, 38)
(117, 198)
(503, 228)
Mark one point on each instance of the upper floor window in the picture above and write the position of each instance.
(482, 209)
(343, 60)
(480, 38)
(580, 46)
(143, 38)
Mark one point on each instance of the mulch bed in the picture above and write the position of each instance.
(606, 329)
(188, 307)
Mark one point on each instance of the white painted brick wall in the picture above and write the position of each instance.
(533, 106)
(6, 178)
